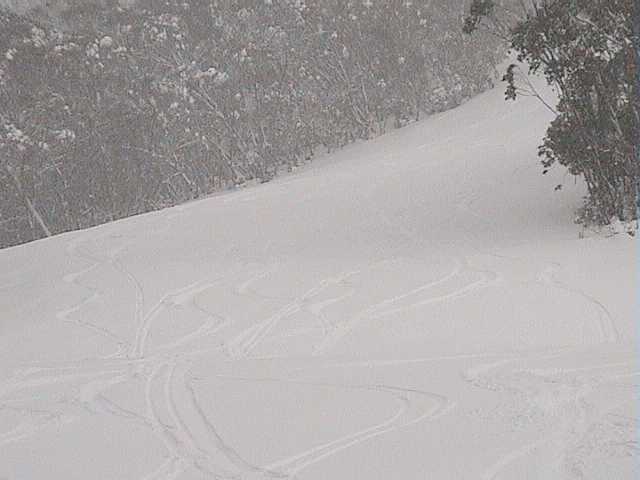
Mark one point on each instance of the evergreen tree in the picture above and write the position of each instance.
(584, 48)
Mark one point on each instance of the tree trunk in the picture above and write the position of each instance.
(28, 203)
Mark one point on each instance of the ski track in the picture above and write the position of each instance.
(242, 344)
(183, 449)
(609, 334)
(216, 458)
(571, 429)
(94, 296)
(494, 470)
(178, 419)
(218, 443)
(411, 412)
(173, 467)
(386, 307)
(180, 296)
(480, 377)
(607, 323)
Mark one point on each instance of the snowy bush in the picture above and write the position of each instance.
(585, 49)
(107, 112)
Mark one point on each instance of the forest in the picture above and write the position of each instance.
(108, 109)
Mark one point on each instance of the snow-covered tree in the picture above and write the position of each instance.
(111, 108)
(585, 48)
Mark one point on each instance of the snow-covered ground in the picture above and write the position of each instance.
(417, 307)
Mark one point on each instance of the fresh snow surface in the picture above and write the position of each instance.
(420, 306)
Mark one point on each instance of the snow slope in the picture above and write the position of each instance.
(417, 307)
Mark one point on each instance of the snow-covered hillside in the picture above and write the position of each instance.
(417, 307)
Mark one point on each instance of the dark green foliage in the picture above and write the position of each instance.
(585, 49)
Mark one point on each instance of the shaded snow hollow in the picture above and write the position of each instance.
(418, 306)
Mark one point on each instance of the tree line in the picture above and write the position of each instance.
(108, 111)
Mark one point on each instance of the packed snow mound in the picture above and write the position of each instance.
(418, 306)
